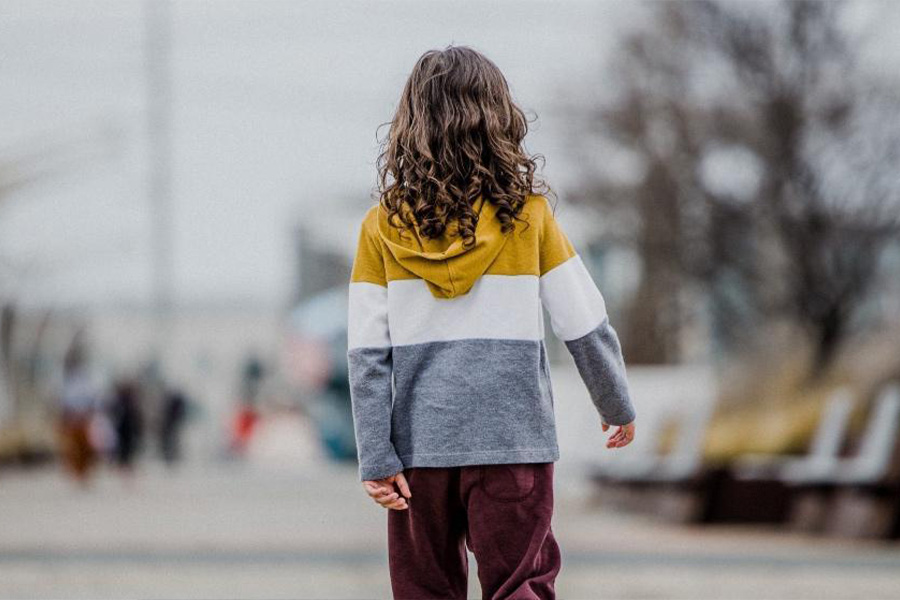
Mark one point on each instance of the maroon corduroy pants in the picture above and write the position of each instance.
(501, 512)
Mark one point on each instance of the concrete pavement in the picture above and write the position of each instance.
(287, 524)
(272, 531)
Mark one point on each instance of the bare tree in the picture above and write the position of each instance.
(767, 176)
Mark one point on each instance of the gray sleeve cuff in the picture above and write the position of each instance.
(380, 471)
(598, 357)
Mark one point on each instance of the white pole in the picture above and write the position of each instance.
(159, 145)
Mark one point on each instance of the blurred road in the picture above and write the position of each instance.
(269, 531)
(287, 524)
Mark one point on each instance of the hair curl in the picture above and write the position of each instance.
(456, 135)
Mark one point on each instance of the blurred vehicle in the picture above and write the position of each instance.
(317, 366)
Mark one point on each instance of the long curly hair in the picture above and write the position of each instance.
(456, 135)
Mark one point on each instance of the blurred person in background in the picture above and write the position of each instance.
(78, 402)
(448, 370)
(246, 417)
(174, 413)
(243, 425)
(127, 422)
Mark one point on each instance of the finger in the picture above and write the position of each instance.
(373, 490)
(399, 504)
(604, 426)
(396, 502)
(403, 485)
(616, 436)
(378, 492)
(623, 441)
(385, 500)
(614, 441)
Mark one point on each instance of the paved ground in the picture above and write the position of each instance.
(269, 531)
(286, 525)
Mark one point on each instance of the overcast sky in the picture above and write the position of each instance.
(275, 110)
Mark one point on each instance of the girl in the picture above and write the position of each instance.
(452, 402)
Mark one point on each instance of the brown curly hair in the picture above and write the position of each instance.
(456, 135)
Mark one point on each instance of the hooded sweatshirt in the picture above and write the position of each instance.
(446, 353)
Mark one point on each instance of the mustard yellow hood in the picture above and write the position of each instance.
(447, 267)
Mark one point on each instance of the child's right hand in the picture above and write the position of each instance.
(383, 491)
(622, 436)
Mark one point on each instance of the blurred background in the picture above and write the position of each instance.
(181, 186)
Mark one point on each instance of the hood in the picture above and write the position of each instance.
(447, 267)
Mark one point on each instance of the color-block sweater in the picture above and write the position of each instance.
(446, 353)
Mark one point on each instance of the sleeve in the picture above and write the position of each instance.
(369, 362)
(578, 317)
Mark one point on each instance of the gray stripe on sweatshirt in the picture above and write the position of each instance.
(475, 401)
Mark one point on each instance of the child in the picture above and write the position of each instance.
(452, 402)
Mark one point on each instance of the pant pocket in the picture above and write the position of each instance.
(507, 483)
